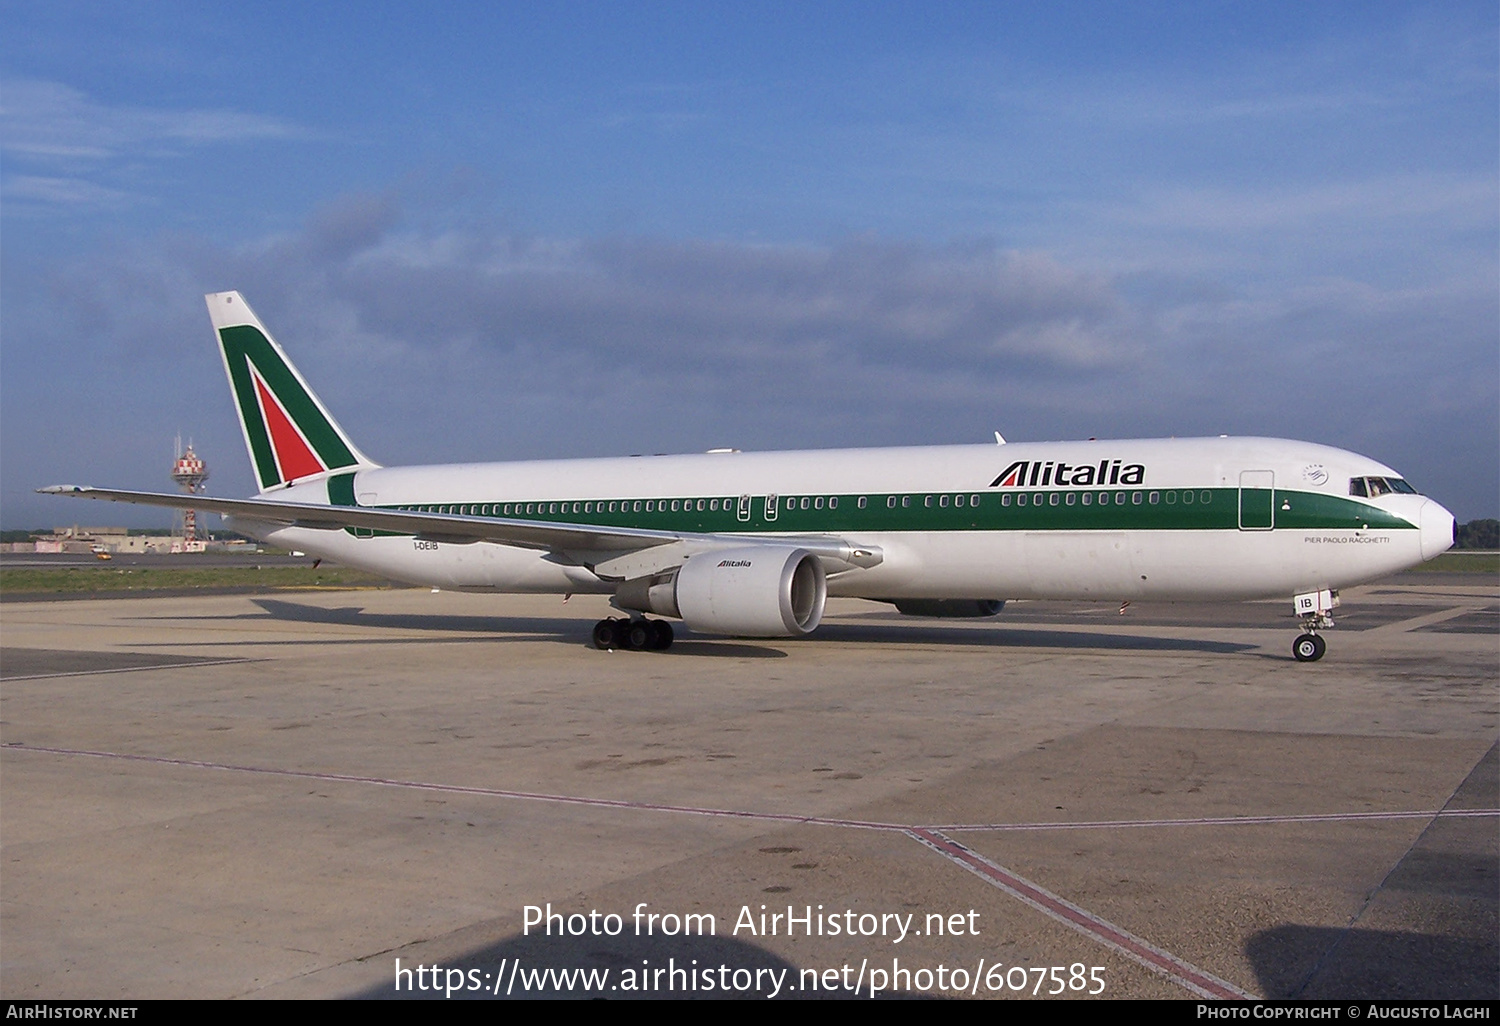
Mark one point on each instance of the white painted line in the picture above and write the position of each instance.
(129, 669)
(777, 817)
(1126, 824)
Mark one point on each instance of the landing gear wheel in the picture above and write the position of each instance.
(661, 635)
(608, 634)
(637, 634)
(1308, 648)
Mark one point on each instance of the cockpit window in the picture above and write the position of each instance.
(1373, 487)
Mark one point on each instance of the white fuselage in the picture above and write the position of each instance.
(1217, 518)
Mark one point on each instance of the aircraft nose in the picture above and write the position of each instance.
(1437, 529)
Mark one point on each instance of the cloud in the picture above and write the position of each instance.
(476, 343)
(60, 135)
(1453, 201)
(61, 191)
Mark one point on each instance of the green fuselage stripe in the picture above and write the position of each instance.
(1132, 509)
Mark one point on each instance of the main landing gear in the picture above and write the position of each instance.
(618, 632)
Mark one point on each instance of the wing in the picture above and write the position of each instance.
(613, 553)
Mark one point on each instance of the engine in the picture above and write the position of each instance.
(760, 591)
(949, 608)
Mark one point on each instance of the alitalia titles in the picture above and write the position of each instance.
(1040, 474)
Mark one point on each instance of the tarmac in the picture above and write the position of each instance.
(311, 794)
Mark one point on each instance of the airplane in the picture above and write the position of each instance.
(752, 544)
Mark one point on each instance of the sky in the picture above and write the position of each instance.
(513, 231)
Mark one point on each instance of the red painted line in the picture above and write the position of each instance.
(1142, 952)
(1136, 949)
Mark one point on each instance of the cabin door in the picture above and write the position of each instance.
(1257, 500)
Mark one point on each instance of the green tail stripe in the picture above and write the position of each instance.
(244, 343)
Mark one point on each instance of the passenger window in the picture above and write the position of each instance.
(1205, 497)
(973, 500)
(1135, 497)
(804, 502)
(1005, 500)
(1021, 499)
(943, 501)
(1155, 498)
(833, 502)
(906, 502)
(1088, 498)
(1104, 498)
(1070, 499)
(818, 502)
(862, 501)
(1052, 499)
(700, 505)
(1171, 498)
(1119, 498)
(890, 502)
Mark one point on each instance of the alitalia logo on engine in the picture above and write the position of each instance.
(1036, 473)
(734, 562)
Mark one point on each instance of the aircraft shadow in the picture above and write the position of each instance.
(1312, 962)
(493, 629)
(572, 631)
(1015, 637)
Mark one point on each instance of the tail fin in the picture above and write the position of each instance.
(289, 432)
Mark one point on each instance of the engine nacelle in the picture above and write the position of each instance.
(760, 591)
(949, 608)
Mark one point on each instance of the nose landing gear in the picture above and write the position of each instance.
(618, 632)
(1313, 607)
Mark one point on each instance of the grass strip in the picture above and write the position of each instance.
(85, 580)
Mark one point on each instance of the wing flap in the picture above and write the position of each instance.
(449, 527)
(613, 552)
